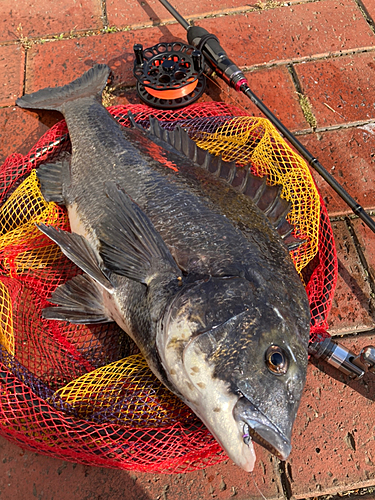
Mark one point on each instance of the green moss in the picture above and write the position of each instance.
(360, 492)
(268, 4)
(307, 110)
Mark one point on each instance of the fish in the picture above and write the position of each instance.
(189, 255)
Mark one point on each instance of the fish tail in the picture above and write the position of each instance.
(90, 84)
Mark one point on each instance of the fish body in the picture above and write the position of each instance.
(186, 263)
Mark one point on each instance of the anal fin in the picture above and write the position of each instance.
(79, 301)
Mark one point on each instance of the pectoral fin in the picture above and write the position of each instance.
(130, 244)
(80, 301)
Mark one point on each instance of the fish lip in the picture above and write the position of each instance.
(269, 436)
(261, 429)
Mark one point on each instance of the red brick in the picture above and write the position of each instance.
(20, 129)
(142, 13)
(370, 7)
(345, 84)
(333, 438)
(349, 155)
(268, 85)
(12, 64)
(291, 33)
(222, 481)
(24, 474)
(352, 299)
(57, 63)
(29, 19)
(126, 96)
(250, 39)
(366, 239)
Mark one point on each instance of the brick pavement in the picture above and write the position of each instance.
(323, 50)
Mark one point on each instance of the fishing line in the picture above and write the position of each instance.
(252, 475)
(173, 94)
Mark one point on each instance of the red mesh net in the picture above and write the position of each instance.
(83, 393)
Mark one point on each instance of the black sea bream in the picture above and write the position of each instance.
(186, 263)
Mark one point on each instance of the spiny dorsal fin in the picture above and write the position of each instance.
(158, 131)
(266, 197)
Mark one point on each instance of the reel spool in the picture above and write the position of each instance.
(169, 75)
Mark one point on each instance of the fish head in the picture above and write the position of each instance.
(239, 362)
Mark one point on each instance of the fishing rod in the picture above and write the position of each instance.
(217, 59)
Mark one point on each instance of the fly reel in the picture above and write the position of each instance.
(169, 75)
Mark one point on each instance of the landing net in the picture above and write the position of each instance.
(84, 393)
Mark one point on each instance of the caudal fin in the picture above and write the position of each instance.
(90, 84)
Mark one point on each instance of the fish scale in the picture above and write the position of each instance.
(172, 210)
(185, 263)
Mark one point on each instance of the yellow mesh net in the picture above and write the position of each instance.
(255, 140)
(22, 246)
(125, 392)
(6, 320)
(19, 215)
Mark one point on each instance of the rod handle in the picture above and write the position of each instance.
(216, 57)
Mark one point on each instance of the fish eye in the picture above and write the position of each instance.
(276, 360)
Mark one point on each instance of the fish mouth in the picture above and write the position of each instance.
(269, 437)
(258, 427)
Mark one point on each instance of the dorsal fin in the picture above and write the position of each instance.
(266, 197)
